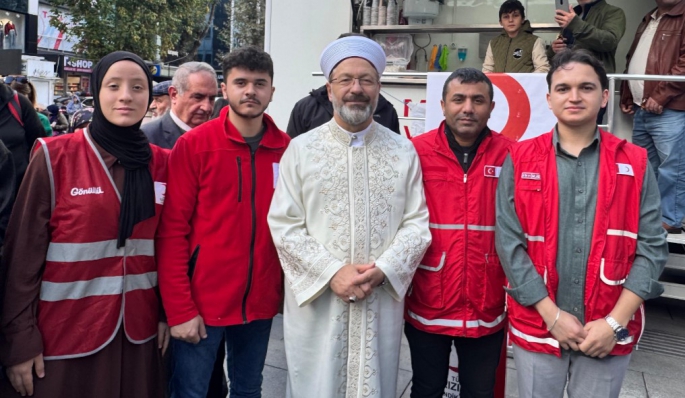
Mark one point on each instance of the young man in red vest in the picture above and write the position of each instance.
(457, 294)
(579, 236)
(219, 271)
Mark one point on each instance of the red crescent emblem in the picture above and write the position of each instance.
(519, 105)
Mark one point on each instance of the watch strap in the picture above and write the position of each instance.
(613, 323)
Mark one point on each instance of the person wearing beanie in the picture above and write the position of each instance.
(58, 121)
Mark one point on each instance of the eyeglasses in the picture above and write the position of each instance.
(18, 79)
(346, 81)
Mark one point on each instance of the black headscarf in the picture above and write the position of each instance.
(130, 146)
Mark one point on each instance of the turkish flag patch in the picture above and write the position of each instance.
(492, 171)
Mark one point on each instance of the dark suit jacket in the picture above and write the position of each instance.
(162, 132)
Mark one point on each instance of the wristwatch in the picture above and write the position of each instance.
(620, 333)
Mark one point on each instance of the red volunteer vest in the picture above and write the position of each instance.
(458, 288)
(89, 287)
(614, 239)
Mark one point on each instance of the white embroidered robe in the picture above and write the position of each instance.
(334, 205)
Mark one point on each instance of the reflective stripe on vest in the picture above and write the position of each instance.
(457, 323)
(607, 280)
(532, 238)
(532, 339)
(617, 232)
(461, 227)
(103, 286)
(439, 267)
(481, 228)
(73, 252)
(446, 226)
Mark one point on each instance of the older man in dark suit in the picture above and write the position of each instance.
(192, 94)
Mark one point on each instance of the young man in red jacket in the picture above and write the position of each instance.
(457, 294)
(579, 236)
(219, 272)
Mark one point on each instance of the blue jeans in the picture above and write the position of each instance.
(246, 347)
(664, 138)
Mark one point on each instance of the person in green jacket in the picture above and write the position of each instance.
(595, 26)
(516, 50)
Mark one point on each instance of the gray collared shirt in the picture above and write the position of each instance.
(577, 179)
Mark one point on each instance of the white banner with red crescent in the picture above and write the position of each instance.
(521, 109)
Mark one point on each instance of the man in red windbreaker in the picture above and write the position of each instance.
(219, 272)
(579, 236)
(457, 294)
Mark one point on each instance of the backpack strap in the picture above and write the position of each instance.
(15, 108)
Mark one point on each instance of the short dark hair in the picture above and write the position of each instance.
(580, 56)
(251, 58)
(511, 6)
(468, 75)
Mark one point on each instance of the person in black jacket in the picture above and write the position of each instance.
(17, 136)
(7, 190)
(316, 109)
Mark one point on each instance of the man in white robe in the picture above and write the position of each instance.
(350, 224)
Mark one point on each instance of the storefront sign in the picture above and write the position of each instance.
(72, 64)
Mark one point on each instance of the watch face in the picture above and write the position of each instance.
(622, 334)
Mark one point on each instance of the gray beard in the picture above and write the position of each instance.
(354, 116)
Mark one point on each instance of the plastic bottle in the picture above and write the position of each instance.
(374, 12)
(366, 15)
(382, 12)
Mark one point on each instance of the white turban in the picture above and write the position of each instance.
(352, 46)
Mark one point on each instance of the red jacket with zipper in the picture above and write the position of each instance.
(216, 204)
(458, 289)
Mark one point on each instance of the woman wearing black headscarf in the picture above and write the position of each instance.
(80, 307)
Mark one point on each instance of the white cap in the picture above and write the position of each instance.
(349, 47)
